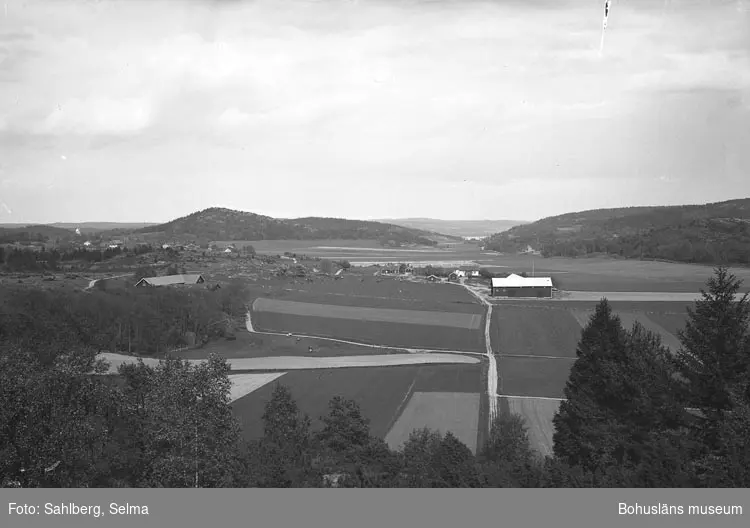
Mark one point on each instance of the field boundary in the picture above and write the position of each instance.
(252, 330)
(534, 356)
(369, 314)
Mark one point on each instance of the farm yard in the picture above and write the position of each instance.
(383, 394)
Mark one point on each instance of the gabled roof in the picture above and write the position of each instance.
(516, 281)
(168, 280)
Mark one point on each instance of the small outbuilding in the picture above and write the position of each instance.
(517, 286)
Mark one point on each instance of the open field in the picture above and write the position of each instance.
(672, 323)
(441, 411)
(533, 376)
(629, 318)
(533, 331)
(244, 384)
(302, 363)
(641, 296)
(381, 392)
(375, 315)
(537, 414)
(665, 318)
(247, 345)
(385, 290)
(446, 301)
(383, 334)
(613, 275)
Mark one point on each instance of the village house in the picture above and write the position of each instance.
(457, 275)
(469, 270)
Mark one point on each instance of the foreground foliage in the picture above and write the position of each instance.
(635, 416)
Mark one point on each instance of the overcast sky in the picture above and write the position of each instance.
(150, 110)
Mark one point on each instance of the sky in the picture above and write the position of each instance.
(144, 111)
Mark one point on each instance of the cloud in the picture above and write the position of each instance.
(424, 92)
(232, 117)
(97, 115)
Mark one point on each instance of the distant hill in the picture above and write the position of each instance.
(710, 234)
(226, 224)
(34, 233)
(98, 227)
(461, 228)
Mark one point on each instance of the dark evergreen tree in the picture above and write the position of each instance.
(619, 393)
(507, 459)
(715, 352)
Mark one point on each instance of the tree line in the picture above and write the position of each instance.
(634, 415)
(21, 259)
(131, 320)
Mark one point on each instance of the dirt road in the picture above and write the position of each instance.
(492, 374)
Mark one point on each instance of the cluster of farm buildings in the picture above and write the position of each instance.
(511, 286)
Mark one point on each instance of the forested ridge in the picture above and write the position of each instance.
(218, 223)
(717, 233)
(635, 415)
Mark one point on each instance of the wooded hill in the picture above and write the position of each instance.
(709, 234)
(226, 224)
(35, 233)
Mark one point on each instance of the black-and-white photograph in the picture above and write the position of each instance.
(374, 244)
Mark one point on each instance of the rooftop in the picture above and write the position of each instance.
(516, 281)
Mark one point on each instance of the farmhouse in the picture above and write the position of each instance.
(456, 275)
(517, 286)
(171, 280)
(469, 271)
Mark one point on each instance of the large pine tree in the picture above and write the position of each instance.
(617, 395)
(715, 352)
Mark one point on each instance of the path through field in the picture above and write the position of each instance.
(252, 330)
(492, 373)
